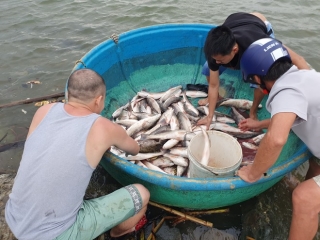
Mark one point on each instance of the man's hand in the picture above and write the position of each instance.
(249, 125)
(205, 121)
(245, 175)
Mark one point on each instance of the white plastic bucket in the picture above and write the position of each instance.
(225, 155)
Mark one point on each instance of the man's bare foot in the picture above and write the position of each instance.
(203, 102)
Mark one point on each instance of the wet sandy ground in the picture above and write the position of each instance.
(266, 216)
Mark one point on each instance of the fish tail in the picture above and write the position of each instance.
(221, 101)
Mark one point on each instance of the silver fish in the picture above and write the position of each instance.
(126, 122)
(162, 162)
(140, 163)
(250, 145)
(204, 110)
(116, 150)
(125, 114)
(170, 143)
(196, 94)
(178, 107)
(245, 163)
(180, 151)
(142, 124)
(178, 160)
(170, 92)
(140, 115)
(169, 101)
(236, 132)
(153, 167)
(238, 103)
(193, 119)
(166, 117)
(237, 115)
(258, 138)
(148, 110)
(220, 114)
(143, 105)
(117, 112)
(188, 107)
(160, 129)
(174, 123)
(163, 120)
(176, 134)
(180, 170)
(145, 94)
(170, 170)
(184, 121)
(135, 104)
(153, 104)
(143, 156)
(225, 120)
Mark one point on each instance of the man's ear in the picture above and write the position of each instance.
(257, 79)
(235, 48)
(99, 100)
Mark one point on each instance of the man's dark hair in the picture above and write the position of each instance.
(219, 41)
(277, 70)
(85, 85)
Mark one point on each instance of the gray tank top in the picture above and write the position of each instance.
(52, 178)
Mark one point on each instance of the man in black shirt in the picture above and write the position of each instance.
(224, 47)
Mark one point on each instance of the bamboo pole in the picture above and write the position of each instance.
(186, 216)
(142, 235)
(31, 100)
(208, 211)
(249, 238)
(153, 231)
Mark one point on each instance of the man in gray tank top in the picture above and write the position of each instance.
(64, 145)
(294, 103)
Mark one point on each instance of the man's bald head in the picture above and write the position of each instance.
(85, 85)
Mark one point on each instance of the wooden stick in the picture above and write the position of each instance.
(186, 216)
(31, 100)
(249, 238)
(155, 229)
(208, 211)
(152, 231)
(142, 235)
(178, 220)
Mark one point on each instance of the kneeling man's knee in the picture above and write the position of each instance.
(303, 196)
(144, 192)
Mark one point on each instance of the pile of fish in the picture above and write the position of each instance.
(163, 124)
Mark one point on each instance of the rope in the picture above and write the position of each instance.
(79, 61)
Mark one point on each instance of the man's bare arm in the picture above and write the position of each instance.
(257, 98)
(213, 93)
(270, 147)
(297, 60)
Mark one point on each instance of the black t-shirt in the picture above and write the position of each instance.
(246, 29)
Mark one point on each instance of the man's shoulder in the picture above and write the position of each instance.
(103, 125)
(241, 16)
(237, 15)
(240, 21)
